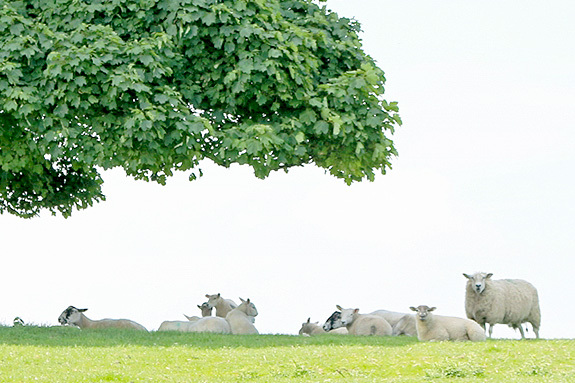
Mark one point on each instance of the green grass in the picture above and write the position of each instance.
(42, 354)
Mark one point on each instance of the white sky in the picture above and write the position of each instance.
(483, 182)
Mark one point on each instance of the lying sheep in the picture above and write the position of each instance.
(308, 328)
(206, 312)
(506, 301)
(18, 322)
(363, 324)
(76, 317)
(403, 324)
(436, 327)
(241, 318)
(206, 324)
(222, 306)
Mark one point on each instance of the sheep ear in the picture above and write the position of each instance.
(208, 296)
(82, 310)
(338, 307)
(218, 295)
(466, 276)
(432, 308)
(412, 308)
(199, 306)
(308, 320)
(355, 311)
(489, 275)
(241, 299)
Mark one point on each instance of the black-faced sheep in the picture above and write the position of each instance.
(506, 301)
(76, 317)
(436, 327)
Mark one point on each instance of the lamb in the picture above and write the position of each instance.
(223, 306)
(506, 301)
(436, 327)
(242, 317)
(75, 317)
(206, 324)
(308, 329)
(363, 324)
(206, 312)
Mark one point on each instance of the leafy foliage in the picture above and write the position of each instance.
(155, 86)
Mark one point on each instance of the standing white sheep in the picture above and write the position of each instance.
(506, 301)
(222, 306)
(436, 327)
(76, 317)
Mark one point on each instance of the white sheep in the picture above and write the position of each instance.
(401, 323)
(308, 328)
(75, 317)
(432, 327)
(206, 312)
(506, 301)
(206, 324)
(363, 324)
(241, 318)
(222, 306)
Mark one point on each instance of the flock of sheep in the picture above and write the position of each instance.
(487, 301)
(230, 319)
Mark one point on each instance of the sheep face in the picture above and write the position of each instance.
(212, 300)
(333, 322)
(71, 316)
(422, 312)
(477, 281)
(348, 316)
(250, 308)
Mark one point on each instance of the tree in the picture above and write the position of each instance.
(155, 86)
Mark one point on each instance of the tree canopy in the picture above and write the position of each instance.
(156, 86)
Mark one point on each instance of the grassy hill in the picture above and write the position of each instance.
(59, 354)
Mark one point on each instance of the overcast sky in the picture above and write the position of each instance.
(484, 181)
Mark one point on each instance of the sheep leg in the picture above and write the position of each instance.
(520, 330)
(490, 329)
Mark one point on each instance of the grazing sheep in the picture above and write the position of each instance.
(242, 317)
(76, 317)
(436, 327)
(308, 328)
(363, 324)
(206, 324)
(206, 312)
(223, 306)
(506, 301)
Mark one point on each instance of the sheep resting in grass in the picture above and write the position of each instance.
(241, 319)
(222, 306)
(74, 316)
(308, 328)
(506, 301)
(206, 324)
(401, 323)
(432, 327)
(363, 324)
(206, 312)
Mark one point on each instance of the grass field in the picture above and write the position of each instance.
(59, 354)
